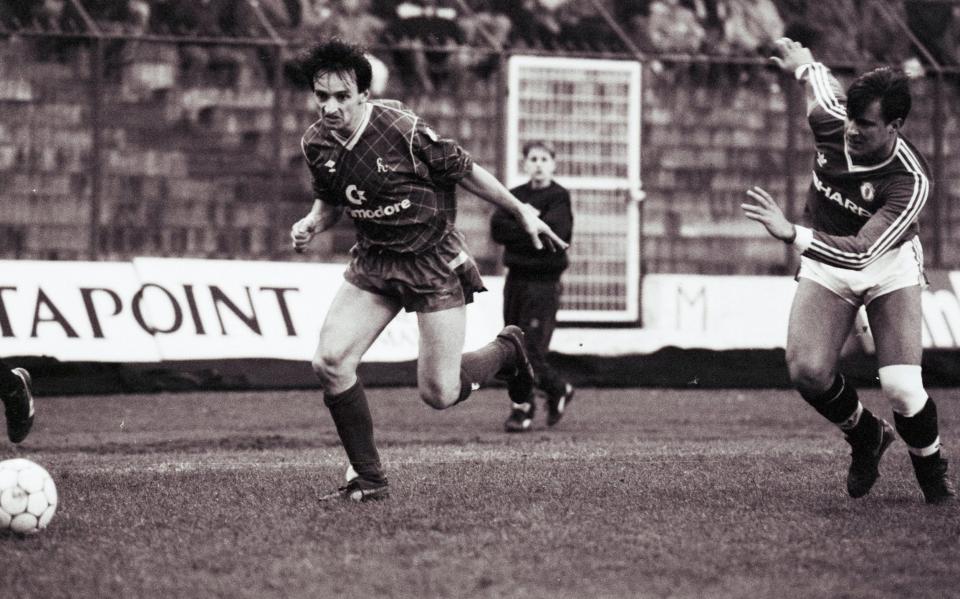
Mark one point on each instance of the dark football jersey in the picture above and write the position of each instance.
(394, 176)
(857, 212)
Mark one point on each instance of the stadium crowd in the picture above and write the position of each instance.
(430, 30)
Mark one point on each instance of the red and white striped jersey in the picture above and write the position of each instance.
(394, 176)
(857, 212)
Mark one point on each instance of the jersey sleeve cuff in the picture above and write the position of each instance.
(804, 238)
(801, 71)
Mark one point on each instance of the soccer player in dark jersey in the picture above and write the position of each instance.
(16, 390)
(531, 292)
(396, 178)
(860, 247)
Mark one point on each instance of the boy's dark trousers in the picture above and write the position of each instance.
(531, 304)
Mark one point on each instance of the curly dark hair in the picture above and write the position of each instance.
(890, 86)
(334, 56)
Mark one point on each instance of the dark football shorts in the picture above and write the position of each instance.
(442, 277)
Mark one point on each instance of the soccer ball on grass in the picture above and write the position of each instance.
(28, 497)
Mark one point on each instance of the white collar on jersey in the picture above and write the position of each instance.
(859, 168)
(351, 141)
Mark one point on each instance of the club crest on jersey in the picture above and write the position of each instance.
(381, 166)
(867, 191)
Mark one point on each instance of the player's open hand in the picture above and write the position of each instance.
(767, 212)
(792, 54)
(540, 232)
(302, 232)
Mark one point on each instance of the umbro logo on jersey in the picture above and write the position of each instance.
(821, 159)
(331, 166)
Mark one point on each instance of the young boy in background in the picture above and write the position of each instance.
(531, 293)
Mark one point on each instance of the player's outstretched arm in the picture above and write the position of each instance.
(790, 56)
(483, 184)
(320, 218)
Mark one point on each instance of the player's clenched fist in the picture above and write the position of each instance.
(302, 232)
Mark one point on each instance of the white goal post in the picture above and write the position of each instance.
(589, 110)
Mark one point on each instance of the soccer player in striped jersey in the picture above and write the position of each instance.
(859, 247)
(396, 178)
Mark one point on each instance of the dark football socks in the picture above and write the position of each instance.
(477, 367)
(841, 405)
(920, 432)
(8, 381)
(351, 416)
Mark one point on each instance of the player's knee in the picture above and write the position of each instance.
(321, 367)
(437, 395)
(329, 367)
(323, 371)
(810, 375)
(902, 385)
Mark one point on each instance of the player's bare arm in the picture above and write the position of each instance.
(767, 212)
(320, 218)
(483, 184)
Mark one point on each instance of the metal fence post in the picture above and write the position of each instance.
(501, 114)
(790, 91)
(96, 149)
(96, 124)
(936, 197)
(276, 179)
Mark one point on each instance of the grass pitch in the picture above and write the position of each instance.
(636, 493)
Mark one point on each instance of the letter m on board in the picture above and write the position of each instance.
(691, 308)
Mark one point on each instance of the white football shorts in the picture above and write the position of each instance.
(898, 268)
